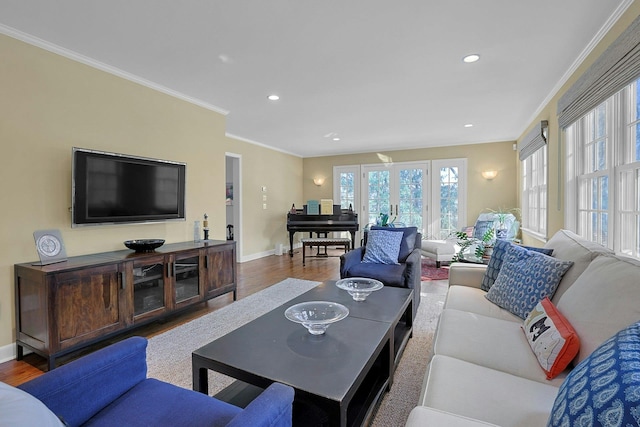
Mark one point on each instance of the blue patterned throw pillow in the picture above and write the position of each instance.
(604, 389)
(382, 247)
(497, 257)
(526, 277)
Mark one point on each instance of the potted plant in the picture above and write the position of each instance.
(383, 220)
(483, 245)
(502, 216)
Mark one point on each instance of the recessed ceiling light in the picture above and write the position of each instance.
(469, 125)
(273, 97)
(336, 138)
(471, 58)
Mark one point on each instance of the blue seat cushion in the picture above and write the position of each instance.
(156, 403)
(388, 274)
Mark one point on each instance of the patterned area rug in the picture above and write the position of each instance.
(431, 272)
(169, 354)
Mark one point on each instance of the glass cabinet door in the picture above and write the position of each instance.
(149, 281)
(186, 273)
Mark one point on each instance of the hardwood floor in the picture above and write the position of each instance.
(253, 276)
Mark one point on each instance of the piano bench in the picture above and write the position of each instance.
(324, 242)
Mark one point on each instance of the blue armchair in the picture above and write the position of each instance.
(406, 274)
(110, 388)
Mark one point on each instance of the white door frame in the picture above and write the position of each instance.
(355, 169)
(394, 191)
(436, 165)
(237, 202)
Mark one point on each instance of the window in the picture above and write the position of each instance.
(534, 193)
(603, 173)
(449, 197)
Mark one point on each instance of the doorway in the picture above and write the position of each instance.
(233, 200)
(400, 191)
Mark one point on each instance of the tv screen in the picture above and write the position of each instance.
(116, 188)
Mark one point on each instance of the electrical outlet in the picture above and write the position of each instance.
(264, 197)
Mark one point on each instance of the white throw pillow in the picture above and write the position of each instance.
(19, 408)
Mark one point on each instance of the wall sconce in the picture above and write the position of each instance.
(318, 181)
(490, 174)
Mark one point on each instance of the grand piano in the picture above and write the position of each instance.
(341, 220)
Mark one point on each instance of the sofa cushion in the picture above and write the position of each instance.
(489, 342)
(569, 246)
(604, 389)
(382, 247)
(466, 298)
(484, 394)
(156, 403)
(551, 337)
(408, 243)
(389, 274)
(421, 416)
(497, 257)
(19, 408)
(526, 277)
(602, 301)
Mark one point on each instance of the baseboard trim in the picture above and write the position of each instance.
(259, 255)
(8, 352)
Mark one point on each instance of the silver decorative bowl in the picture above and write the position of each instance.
(316, 316)
(359, 287)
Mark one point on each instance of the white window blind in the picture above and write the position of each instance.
(534, 140)
(617, 67)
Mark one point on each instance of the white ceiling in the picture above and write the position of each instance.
(379, 74)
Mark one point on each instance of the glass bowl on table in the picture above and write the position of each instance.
(359, 287)
(316, 316)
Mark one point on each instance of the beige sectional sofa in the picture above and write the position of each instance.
(483, 370)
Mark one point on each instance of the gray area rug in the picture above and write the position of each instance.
(169, 354)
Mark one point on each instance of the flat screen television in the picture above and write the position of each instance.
(110, 188)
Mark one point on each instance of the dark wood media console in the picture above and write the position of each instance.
(66, 306)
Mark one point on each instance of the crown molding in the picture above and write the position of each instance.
(260, 144)
(75, 56)
(611, 21)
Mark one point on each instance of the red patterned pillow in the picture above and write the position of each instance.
(551, 337)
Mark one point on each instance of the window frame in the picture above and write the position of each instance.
(621, 170)
(535, 187)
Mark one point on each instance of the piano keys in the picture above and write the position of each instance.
(341, 220)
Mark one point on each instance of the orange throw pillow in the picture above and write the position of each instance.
(552, 339)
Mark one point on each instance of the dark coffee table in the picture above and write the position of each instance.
(339, 377)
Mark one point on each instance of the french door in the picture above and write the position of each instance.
(346, 192)
(431, 195)
(449, 200)
(399, 190)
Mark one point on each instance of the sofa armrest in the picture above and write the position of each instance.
(350, 259)
(81, 388)
(272, 408)
(414, 269)
(424, 416)
(466, 274)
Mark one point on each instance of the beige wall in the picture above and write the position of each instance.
(49, 104)
(556, 177)
(482, 194)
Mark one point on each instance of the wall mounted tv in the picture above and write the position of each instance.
(109, 188)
